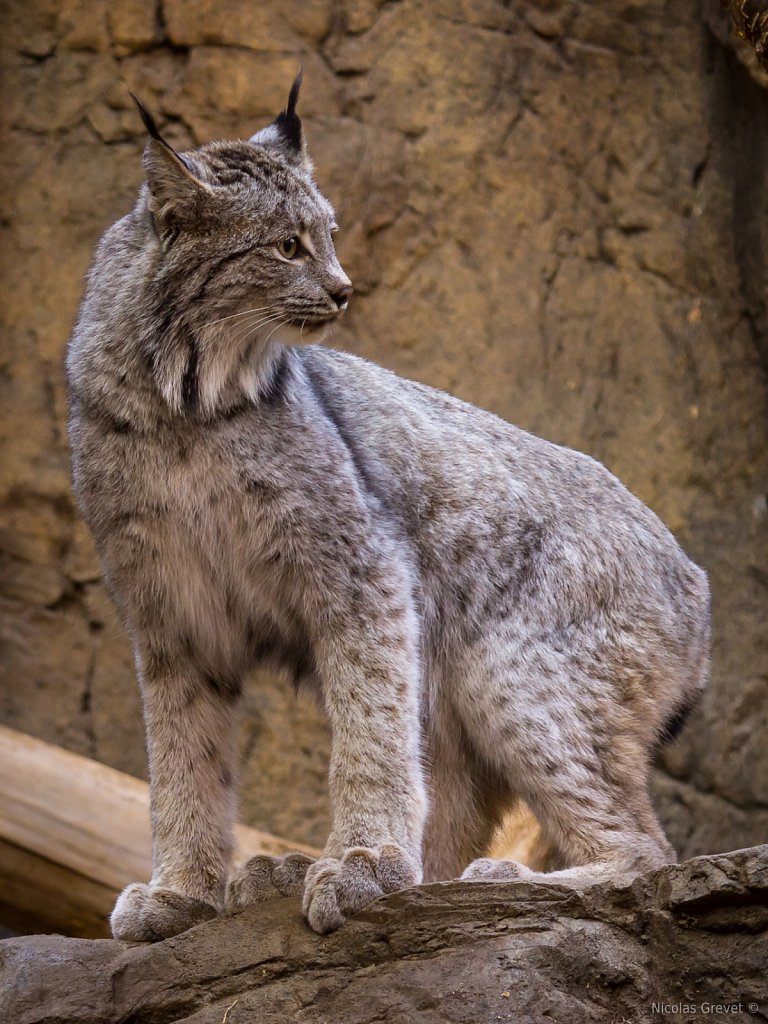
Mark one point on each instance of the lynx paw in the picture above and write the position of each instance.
(488, 869)
(144, 914)
(266, 878)
(334, 889)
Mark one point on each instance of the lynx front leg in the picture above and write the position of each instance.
(190, 723)
(370, 669)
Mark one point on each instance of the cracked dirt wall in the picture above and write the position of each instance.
(556, 211)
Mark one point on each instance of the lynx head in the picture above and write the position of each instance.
(241, 255)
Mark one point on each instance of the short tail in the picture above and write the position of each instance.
(673, 726)
(700, 657)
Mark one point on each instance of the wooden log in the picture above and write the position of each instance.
(73, 833)
(37, 895)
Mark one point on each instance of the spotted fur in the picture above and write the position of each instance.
(487, 617)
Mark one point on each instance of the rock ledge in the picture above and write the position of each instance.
(676, 945)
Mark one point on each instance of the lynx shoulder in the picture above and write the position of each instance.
(489, 618)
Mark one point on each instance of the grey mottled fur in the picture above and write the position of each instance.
(486, 616)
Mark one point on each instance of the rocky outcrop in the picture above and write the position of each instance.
(689, 943)
(555, 210)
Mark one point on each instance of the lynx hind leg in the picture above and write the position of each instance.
(598, 841)
(465, 807)
(264, 878)
(585, 777)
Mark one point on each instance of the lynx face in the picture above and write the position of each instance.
(241, 254)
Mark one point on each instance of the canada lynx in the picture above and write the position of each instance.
(487, 617)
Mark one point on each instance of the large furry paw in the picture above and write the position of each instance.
(334, 889)
(265, 878)
(487, 869)
(144, 914)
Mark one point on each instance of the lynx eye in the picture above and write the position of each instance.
(289, 247)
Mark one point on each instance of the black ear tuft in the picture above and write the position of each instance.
(177, 185)
(154, 132)
(293, 95)
(149, 121)
(289, 123)
(285, 135)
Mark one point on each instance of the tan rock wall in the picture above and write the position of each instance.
(555, 210)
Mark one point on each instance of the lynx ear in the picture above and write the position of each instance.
(285, 134)
(176, 185)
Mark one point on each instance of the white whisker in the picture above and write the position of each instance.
(252, 329)
(277, 328)
(253, 324)
(243, 312)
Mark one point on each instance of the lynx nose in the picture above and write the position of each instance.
(341, 296)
